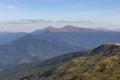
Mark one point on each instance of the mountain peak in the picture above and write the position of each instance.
(67, 28)
(49, 27)
(71, 27)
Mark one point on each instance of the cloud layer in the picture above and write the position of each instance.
(31, 25)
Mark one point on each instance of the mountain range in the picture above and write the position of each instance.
(50, 42)
(82, 37)
(30, 49)
(6, 37)
(100, 63)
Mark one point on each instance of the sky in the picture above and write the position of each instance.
(104, 11)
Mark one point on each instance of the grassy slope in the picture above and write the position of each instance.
(95, 67)
(103, 64)
(28, 69)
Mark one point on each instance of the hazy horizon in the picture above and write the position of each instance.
(32, 25)
(29, 15)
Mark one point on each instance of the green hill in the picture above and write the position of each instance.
(101, 63)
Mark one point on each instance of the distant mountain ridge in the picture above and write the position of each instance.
(6, 37)
(84, 37)
(67, 28)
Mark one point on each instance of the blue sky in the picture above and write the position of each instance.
(88, 13)
(92, 10)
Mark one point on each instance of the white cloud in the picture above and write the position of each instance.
(10, 6)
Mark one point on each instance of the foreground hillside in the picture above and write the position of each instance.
(101, 63)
